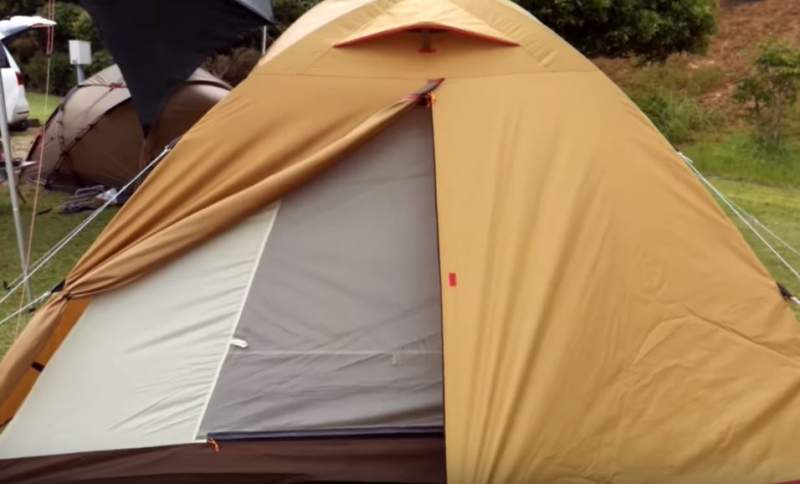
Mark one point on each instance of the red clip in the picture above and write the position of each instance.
(453, 280)
(429, 100)
(214, 444)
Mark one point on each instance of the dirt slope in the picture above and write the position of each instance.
(744, 24)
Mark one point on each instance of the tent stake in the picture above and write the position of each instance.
(12, 189)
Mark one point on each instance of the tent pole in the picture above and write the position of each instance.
(12, 189)
(264, 37)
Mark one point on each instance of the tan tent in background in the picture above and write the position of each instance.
(95, 138)
(423, 238)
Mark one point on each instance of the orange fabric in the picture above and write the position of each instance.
(609, 322)
(72, 312)
(9, 407)
(605, 322)
(213, 185)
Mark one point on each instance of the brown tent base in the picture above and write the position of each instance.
(397, 459)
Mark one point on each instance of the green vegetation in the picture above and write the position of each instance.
(50, 228)
(18, 7)
(670, 95)
(770, 92)
(679, 117)
(736, 156)
(778, 209)
(40, 109)
(676, 75)
(287, 11)
(29, 49)
(648, 29)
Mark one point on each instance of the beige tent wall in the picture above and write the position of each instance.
(170, 214)
(82, 108)
(141, 377)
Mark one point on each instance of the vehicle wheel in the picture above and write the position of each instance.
(20, 126)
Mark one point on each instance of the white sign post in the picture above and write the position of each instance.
(80, 54)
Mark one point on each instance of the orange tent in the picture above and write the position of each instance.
(422, 233)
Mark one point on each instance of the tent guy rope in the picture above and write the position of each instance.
(746, 219)
(50, 254)
(769, 231)
(51, 5)
(43, 131)
(30, 305)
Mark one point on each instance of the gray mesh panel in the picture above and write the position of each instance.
(343, 321)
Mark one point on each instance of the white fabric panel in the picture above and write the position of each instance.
(137, 369)
(342, 329)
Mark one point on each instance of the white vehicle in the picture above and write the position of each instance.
(17, 106)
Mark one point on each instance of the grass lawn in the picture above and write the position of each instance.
(50, 228)
(21, 140)
(779, 209)
(41, 109)
(735, 156)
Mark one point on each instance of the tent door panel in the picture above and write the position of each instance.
(342, 329)
(138, 367)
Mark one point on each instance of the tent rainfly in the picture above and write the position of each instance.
(424, 238)
(158, 44)
(94, 137)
